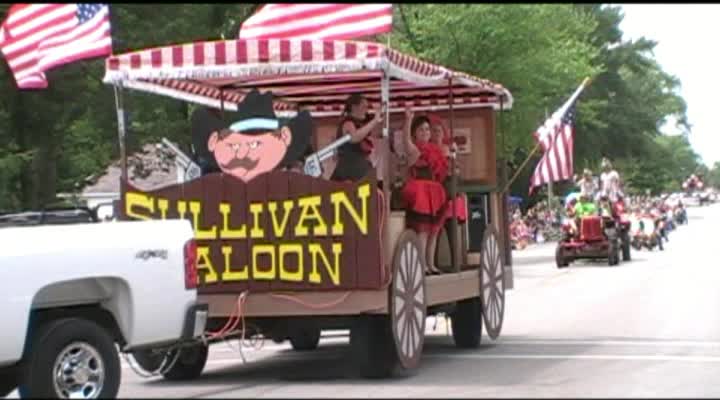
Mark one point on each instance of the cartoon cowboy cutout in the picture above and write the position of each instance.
(258, 142)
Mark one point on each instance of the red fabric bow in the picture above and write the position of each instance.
(431, 156)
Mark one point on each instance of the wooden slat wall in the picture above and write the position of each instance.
(234, 193)
(360, 258)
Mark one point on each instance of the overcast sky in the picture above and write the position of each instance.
(687, 35)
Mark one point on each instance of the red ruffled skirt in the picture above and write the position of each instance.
(425, 198)
(461, 209)
(446, 213)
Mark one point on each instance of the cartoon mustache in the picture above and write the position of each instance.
(244, 163)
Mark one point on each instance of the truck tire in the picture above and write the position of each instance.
(372, 347)
(305, 339)
(189, 364)
(467, 323)
(8, 381)
(79, 350)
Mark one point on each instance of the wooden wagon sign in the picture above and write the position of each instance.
(338, 260)
(280, 231)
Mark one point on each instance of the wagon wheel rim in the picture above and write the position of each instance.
(492, 284)
(408, 300)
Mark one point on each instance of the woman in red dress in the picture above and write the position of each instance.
(423, 194)
(441, 136)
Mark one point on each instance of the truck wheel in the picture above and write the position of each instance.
(189, 364)
(8, 381)
(305, 339)
(467, 323)
(372, 346)
(71, 357)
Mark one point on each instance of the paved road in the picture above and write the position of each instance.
(650, 328)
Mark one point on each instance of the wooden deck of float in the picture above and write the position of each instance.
(441, 289)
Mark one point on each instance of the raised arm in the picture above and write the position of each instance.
(357, 135)
(576, 180)
(412, 151)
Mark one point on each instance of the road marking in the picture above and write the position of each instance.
(650, 343)
(618, 357)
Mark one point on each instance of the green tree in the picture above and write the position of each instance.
(714, 175)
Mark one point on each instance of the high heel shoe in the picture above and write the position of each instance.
(432, 270)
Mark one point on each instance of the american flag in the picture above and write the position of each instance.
(317, 21)
(556, 137)
(37, 37)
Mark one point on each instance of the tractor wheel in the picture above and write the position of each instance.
(560, 260)
(626, 247)
(613, 253)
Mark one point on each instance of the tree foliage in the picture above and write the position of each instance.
(713, 175)
(52, 140)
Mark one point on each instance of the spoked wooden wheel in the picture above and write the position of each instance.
(492, 283)
(408, 307)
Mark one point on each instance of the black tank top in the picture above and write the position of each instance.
(353, 163)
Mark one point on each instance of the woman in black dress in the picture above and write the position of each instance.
(353, 158)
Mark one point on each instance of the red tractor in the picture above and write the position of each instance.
(596, 237)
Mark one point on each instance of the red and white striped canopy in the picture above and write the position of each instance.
(317, 75)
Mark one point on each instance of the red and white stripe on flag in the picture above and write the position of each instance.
(317, 21)
(556, 137)
(37, 37)
(546, 132)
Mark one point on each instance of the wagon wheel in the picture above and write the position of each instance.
(492, 283)
(408, 307)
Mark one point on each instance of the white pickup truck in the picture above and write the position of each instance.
(71, 295)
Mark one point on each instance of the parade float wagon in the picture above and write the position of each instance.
(288, 254)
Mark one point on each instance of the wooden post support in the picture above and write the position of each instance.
(454, 256)
(387, 175)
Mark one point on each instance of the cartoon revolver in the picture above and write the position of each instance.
(313, 163)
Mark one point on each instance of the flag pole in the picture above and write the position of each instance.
(550, 182)
(522, 166)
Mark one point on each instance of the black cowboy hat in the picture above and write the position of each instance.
(255, 114)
